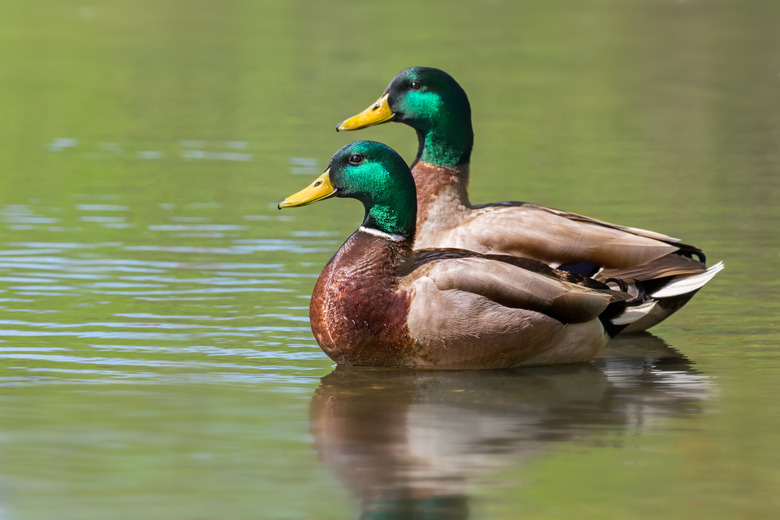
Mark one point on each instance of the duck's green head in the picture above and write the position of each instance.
(430, 101)
(374, 174)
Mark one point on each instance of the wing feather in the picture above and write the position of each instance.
(515, 287)
(552, 236)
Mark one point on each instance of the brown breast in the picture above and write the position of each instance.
(358, 311)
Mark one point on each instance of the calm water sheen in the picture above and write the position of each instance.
(156, 360)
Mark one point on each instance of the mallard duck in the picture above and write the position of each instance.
(660, 272)
(380, 303)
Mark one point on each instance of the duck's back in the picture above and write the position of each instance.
(553, 237)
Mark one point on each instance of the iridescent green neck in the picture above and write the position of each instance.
(443, 124)
(393, 213)
(447, 144)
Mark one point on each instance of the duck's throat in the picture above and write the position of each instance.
(448, 144)
(396, 219)
(442, 197)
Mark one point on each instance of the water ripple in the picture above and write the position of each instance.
(155, 310)
(110, 324)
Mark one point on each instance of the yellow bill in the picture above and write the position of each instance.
(377, 113)
(320, 189)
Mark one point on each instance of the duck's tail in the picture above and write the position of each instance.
(688, 284)
(657, 299)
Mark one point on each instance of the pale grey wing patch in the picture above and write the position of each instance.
(514, 287)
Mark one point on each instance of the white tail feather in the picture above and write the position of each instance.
(635, 313)
(688, 284)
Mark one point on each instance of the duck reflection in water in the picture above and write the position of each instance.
(410, 444)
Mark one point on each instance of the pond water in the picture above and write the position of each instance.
(155, 356)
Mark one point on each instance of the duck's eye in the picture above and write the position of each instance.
(415, 85)
(355, 159)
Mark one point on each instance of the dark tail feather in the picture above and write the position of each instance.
(607, 317)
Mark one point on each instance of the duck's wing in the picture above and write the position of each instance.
(555, 237)
(533, 287)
